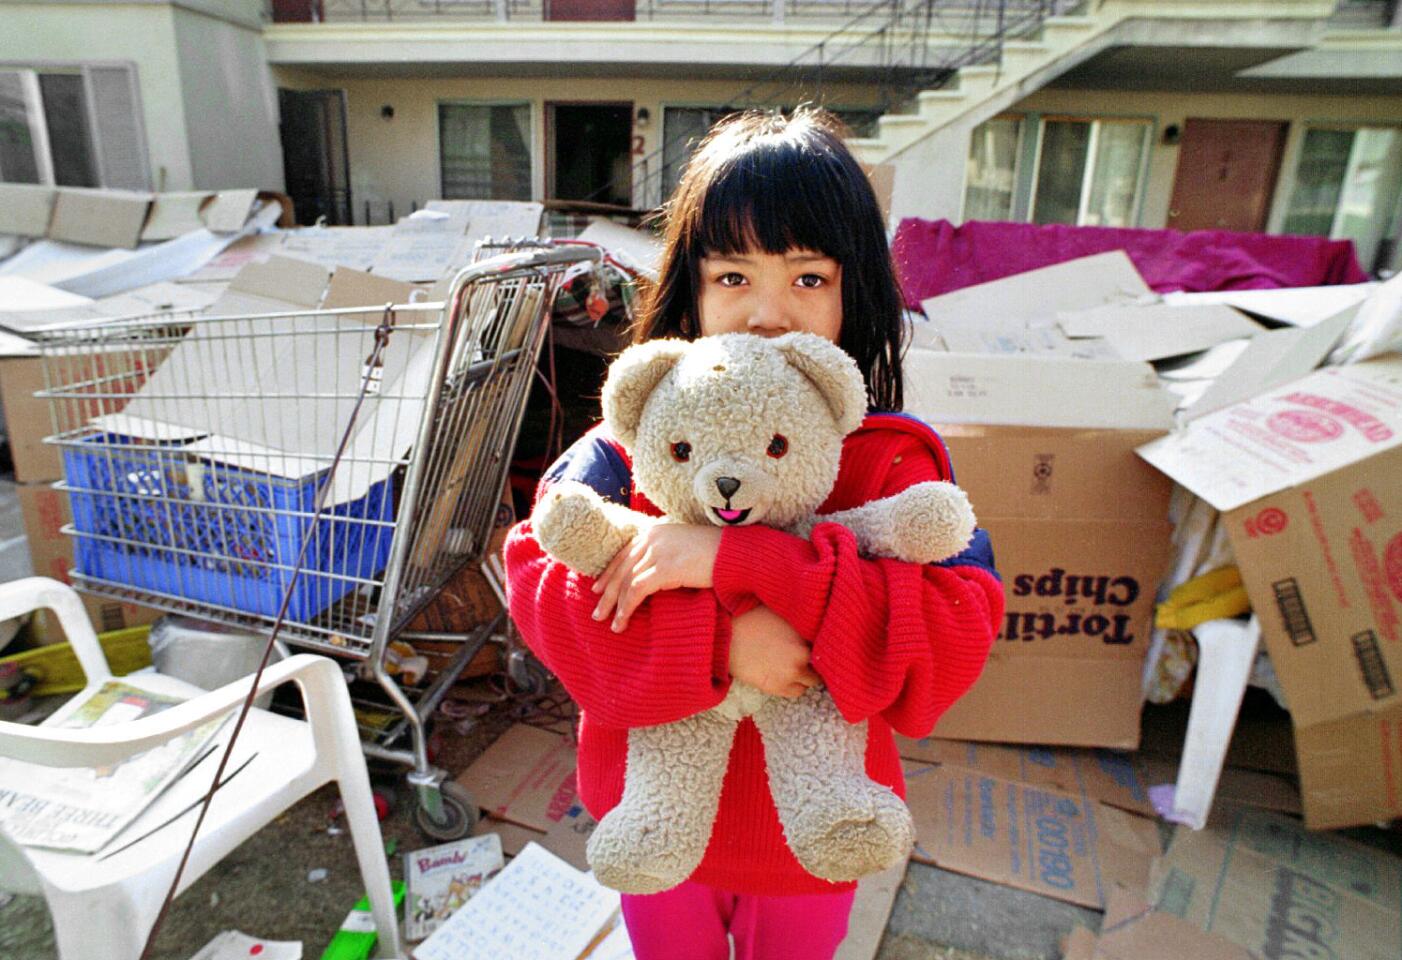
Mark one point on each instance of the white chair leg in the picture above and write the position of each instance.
(1226, 650)
(95, 926)
(335, 734)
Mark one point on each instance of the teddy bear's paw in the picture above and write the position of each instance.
(571, 526)
(936, 521)
(853, 846)
(641, 858)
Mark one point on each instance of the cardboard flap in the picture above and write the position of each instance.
(275, 285)
(353, 288)
(25, 209)
(246, 370)
(229, 210)
(1155, 331)
(99, 218)
(1035, 391)
(1269, 360)
(1036, 296)
(174, 215)
(1287, 436)
(1295, 306)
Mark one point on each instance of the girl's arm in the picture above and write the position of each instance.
(891, 638)
(672, 659)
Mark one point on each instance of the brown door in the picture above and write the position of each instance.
(1226, 174)
(590, 9)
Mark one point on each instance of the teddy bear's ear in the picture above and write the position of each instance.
(832, 371)
(631, 380)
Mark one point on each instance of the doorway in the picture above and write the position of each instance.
(315, 157)
(590, 152)
(1226, 174)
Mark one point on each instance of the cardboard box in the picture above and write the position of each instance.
(27, 420)
(1045, 448)
(1262, 882)
(1306, 478)
(99, 218)
(174, 215)
(526, 777)
(45, 512)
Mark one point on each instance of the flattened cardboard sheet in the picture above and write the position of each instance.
(1036, 296)
(525, 777)
(1265, 883)
(1065, 846)
(1155, 331)
(1113, 777)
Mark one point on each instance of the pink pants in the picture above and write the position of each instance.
(690, 922)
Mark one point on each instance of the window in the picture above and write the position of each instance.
(72, 127)
(1089, 171)
(991, 178)
(1347, 185)
(485, 151)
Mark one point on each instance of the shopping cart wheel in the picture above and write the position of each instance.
(459, 814)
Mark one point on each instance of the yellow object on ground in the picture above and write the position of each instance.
(1215, 595)
(58, 669)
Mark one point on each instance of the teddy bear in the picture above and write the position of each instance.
(729, 430)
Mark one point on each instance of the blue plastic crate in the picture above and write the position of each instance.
(236, 546)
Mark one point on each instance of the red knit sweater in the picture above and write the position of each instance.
(895, 643)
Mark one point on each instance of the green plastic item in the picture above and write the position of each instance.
(357, 935)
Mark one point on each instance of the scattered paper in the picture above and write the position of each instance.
(233, 945)
(537, 908)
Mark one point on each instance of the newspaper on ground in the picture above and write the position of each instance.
(82, 808)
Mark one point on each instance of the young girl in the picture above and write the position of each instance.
(774, 228)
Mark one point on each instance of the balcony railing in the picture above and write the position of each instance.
(957, 16)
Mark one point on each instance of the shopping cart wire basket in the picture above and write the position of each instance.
(195, 450)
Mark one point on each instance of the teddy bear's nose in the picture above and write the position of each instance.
(727, 486)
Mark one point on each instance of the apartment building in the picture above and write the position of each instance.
(1275, 115)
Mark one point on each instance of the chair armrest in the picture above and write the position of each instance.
(19, 597)
(102, 746)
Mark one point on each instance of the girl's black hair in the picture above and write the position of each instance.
(761, 181)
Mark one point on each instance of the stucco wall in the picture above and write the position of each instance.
(1169, 108)
(140, 34)
(230, 104)
(397, 160)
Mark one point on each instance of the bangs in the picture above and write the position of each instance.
(778, 197)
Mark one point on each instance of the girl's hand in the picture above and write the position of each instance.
(665, 556)
(767, 653)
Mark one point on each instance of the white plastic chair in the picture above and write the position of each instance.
(103, 909)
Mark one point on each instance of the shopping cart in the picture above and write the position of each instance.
(340, 464)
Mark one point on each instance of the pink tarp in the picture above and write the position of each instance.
(934, 256)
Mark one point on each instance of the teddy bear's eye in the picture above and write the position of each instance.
(778, 446)
(681, 451)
